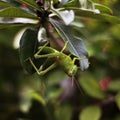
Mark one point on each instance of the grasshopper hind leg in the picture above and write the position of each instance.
(40, 71)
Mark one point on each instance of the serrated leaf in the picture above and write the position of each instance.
(91, 87)
(90, 113)
(30, 3)
(12, 12)
(114, 85)
(75, 45)
(117, 100)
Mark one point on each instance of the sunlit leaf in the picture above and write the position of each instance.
(90, 113)
(91, 87)
(117, 99)
(38, 97)
(66, 16)
(114, 85)
(88, 5)
(12, 12)
(75, 45)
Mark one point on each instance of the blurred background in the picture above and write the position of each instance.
(52, 97)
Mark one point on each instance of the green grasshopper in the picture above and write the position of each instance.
(61, 59)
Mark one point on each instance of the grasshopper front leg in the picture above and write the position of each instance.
(49, 53)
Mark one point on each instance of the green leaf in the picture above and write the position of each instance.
(90, 113)
(114, 85)
(9, 25)
(4, 4)
(4, 25)
(30, 3)
(91, 87)
(117, 100)
(103, 8)
(38, 97)
(86, 4)
(92, 14)
(62, 110)
(13, 3)
(12, 12)
(7, 35)
(77, 23)
(75, 45)
(55, 1)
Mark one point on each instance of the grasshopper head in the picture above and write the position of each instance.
(73, 71)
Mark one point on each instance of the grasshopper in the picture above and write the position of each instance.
(60, 58)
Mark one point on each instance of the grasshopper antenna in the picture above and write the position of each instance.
(77, 84)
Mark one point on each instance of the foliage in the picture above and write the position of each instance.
(90, 30)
